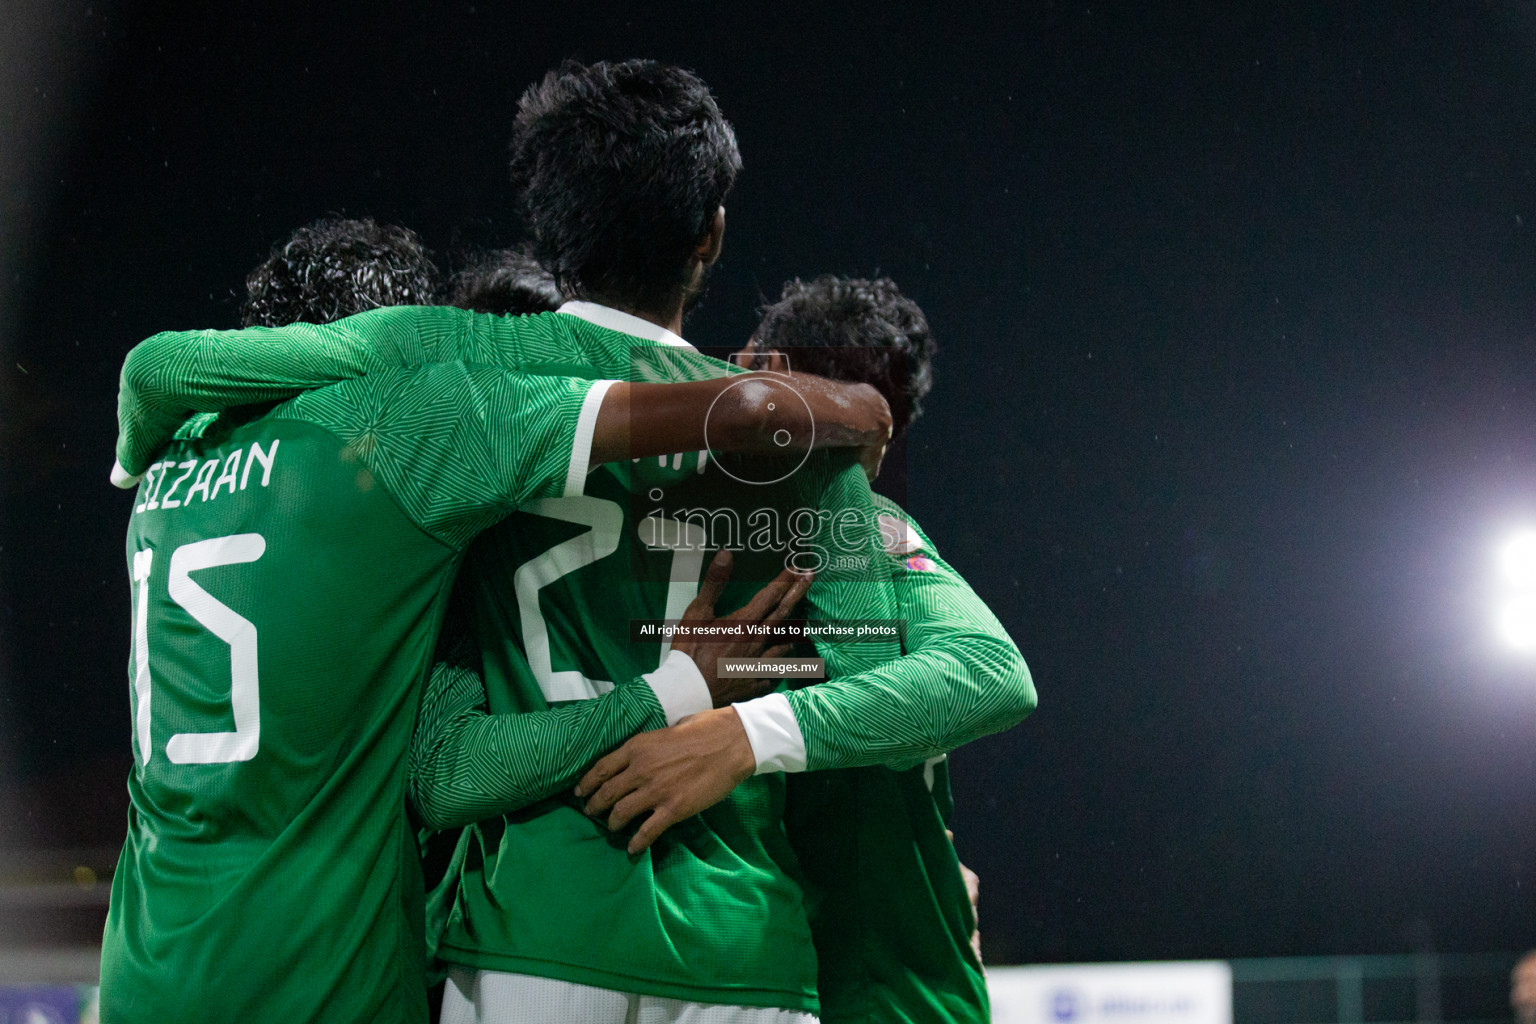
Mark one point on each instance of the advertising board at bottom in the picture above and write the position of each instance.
(1175, 992)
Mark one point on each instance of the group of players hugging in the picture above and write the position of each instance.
(393, 727)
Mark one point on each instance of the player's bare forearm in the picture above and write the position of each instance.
(750, 414)
(669, 775)
(973, 890)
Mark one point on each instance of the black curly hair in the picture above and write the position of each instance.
(335, 267)
(505, 281)
(850, 328)
(621, 167)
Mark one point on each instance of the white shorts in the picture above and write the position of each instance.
(495, 997)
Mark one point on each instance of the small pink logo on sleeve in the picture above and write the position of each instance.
(921, 563)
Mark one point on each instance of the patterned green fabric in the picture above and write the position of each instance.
(966, 681)
(555, 631)
(891, 917)
(467, 764)
(954, 643)
(288, 573)
(510, 436)
(892, 920)
(170, 376)
(961, 677)
(890, 914)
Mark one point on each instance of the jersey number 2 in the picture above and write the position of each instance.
(223, 622)
(604, 522)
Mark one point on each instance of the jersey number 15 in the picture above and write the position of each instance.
(220, 620)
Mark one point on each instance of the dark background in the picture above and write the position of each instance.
(1236, 395)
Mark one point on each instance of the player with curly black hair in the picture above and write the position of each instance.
(852, 328)
(505, 281)
(335, 267)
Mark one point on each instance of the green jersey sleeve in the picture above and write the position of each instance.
(960, 676)
(458, 447)
(172, 375)
(467, 764)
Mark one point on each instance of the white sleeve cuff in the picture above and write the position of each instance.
(773, 732)
(581, 446)
(124, 479)
(680, 687)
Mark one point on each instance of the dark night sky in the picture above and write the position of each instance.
(1236, 397)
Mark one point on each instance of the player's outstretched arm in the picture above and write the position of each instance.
(671, 418)
(751, 414)
(175, 374)
(467, 764)
(961, 679)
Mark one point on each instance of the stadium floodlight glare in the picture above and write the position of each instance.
(1517, 622)
(1518, 559)
(1516, 616)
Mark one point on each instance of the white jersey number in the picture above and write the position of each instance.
(604, 521)
(223, 622)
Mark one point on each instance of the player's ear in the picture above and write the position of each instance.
(708, 249)
(755, 356)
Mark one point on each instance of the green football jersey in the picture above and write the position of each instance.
(172, 375)
(962, 684)
(288, 575)
(891, 918)
(864, 834)
(713, 911)
(959, 678)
